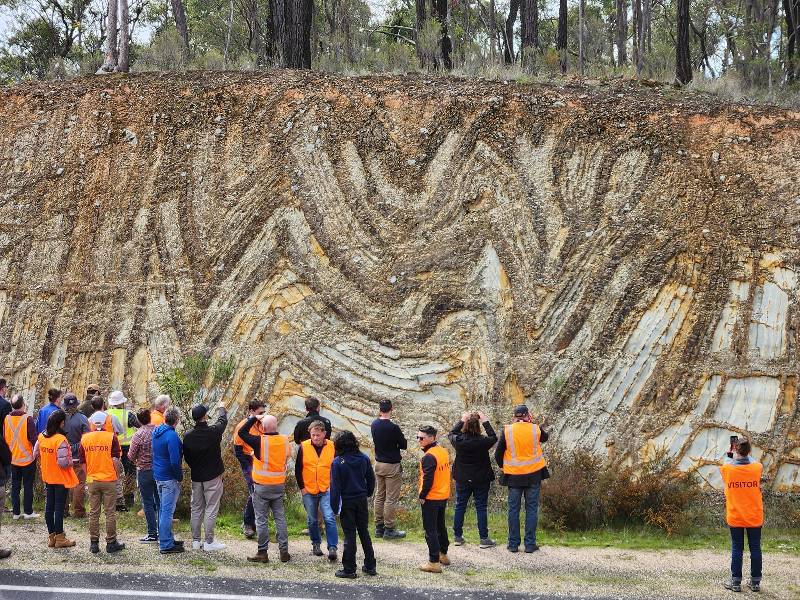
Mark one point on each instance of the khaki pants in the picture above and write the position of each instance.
(206, 496)
(388, 479)
(103, 493)
(77, 495)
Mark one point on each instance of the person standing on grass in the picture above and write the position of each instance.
(313, 474)
(434, 492)
(202, 450)
(54, 404)
(99, 450)
(55, 460)
(141, 455)
(519, 454)
(388, 440)
(352, 483)
(473, 473)
(5, 466)
(168, 474)
(271, 452)
(744, 511)
(244, 454)
(75, 425)
(19, 431)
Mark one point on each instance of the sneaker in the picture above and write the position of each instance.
(285, 556)
(31, 516)
(248, 531)
(755, 586)
(149, 539)
(733, 585)
(531, 549)
(197, 545)
(94, 547)
(487, 543)
(214, 546)
(332, 556)
(173, 550)
(114, 546)
(380, 530)
(259, 557)
(393, 534)
(372, 572)
(458, 541)
(341, 573)
(121, 508)
(316, 550)
(16, 517)
(178, 543)
(513, 549)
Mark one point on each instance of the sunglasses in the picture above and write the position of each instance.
(421, 437)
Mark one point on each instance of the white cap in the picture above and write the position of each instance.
(116, 398)
(98, 418)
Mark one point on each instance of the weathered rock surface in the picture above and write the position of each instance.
(626, 260)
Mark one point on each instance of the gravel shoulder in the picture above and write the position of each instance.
(586, 572)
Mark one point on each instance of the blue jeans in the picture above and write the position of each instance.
(737, 552)
(312, 502)
(246, 463)
(168, 491)
(515, 495)
(481, 493)
(147, 490)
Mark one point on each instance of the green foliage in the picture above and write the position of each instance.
(198, 380)
(165, 53)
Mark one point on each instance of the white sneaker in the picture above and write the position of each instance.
(197, 545)
(31, 516)
(214, 546)
(16, 517)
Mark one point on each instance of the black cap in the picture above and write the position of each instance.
(520, 410)
(198, 412)
(385, 406)
(70, 400)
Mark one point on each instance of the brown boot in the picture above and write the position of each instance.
(51, 541)
(260, 557)
(285, 557)
(429, 567)
(444, 559)
(61, 541)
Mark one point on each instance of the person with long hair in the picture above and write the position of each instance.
(473, 473)
(58, 475)
(352, 482)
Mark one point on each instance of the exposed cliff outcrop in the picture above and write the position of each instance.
(625, 260)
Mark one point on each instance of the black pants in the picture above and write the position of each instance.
(435, 528)
(22, 478)
(54, 503)
(355, 517)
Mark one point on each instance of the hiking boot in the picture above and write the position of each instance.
(94, 547)
(429, 567)
(149, 539)
(4, 553)
(345, 575)
(316, 550)
(513, 549)
(380, 531)
(173, 550)
(285, 556)
(332, 556)
(732, 585)
(444, 559)
(458, 540)
(393, 534)
(248, 531)
(755, 586)
(178, 543)
(259, 557)
(51, 540)
(531, 549)
(372, 572)
(114, 546)
(487, 543)
(61, 541)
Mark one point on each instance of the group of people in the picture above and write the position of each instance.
(92, 445)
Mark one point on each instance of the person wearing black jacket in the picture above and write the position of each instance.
(5, 467)
(301, 433)
(473, 473)
(388, 440)
(202, 452)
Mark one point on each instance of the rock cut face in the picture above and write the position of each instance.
(623, 262)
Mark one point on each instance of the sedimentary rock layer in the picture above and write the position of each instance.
(624, 260)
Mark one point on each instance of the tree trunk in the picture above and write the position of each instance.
(255, 45)
(512, 18)
(446, 44)
(581, 19)
(644, 32)
(791, 12)
(622, 33)
(492, 29)
(228, 33)
(179, 11)
(530, 25)
(419, 24)
(683, 61)
(291, 27)
(636, 15)
(561, 36)
(124, 63)
(110, 61)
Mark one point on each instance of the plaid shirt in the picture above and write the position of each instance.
(140, 452)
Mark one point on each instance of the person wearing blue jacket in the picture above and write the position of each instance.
(352, 482)
(54, 396)
(168, 474)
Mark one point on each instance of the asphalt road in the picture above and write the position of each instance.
(51, 585)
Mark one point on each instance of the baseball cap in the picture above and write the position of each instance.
(198, 412)
(521, 410)
(98, 418)
(93, 387)
(70, 400)
(385, 406)
(116, 398)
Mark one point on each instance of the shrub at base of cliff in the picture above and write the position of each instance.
(586, 492)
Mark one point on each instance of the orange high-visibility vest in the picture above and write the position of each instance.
(109, 424)
(51, 472)
(270, 469)
(523, 453)
(440, 490)
(317, 468)
(237, 441)
(15, 431)
(97, 449)
(743, 503)
(156, 417)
